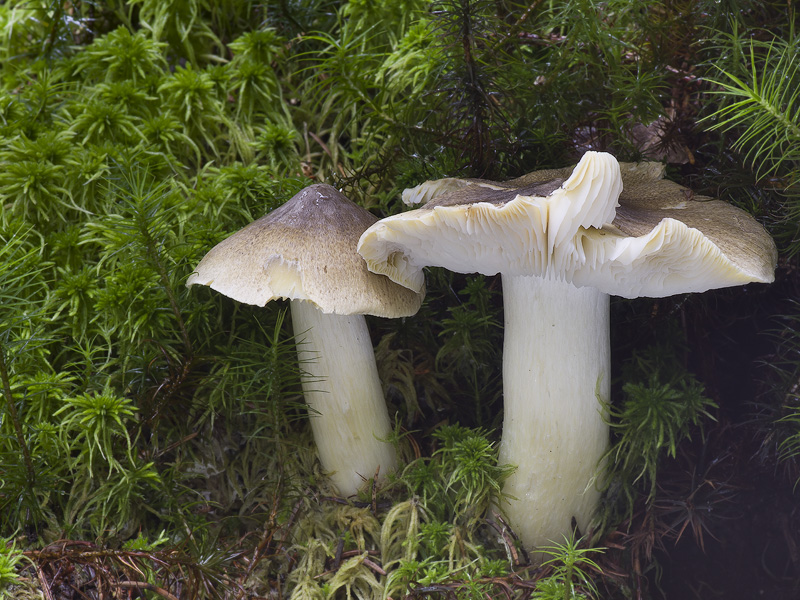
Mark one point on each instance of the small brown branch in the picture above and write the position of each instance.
(509, 541)
(269, 534)
(375, 491)
(48, 595)
(15, 422)
(141, 585)
(175, 444)
(374, 566)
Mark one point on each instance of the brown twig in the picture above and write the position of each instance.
(509, 540)
(48, 595)
(141, 585)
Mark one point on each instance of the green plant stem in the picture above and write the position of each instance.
(54, 22)
(475, 88)
(12, 411)
(162, 273)
(152, 251)
(568, 581)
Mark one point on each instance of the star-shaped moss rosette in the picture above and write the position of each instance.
(564, 240)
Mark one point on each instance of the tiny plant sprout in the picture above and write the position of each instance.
(305, 251)
(564, 241)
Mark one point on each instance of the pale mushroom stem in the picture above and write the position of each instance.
(556, 364)
(340, 382)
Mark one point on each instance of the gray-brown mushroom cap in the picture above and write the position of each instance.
(490, 228)
(663, 239)
(305, 250)
(647, 199)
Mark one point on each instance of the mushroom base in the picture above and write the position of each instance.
(340, 382)
(556, 369)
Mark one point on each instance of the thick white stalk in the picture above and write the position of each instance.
(556, 362)
(348, 411)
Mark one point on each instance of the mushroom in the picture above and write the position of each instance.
(305, 251)
(564, 240)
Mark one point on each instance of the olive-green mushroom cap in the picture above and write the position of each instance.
(305, 250)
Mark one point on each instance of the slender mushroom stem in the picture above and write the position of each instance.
(342, 389)
(556, 365)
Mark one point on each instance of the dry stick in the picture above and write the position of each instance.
(141, 585)
(375, 491)
(80, 593)
(350, 554)
(270, 535)
(374, 566)
(45, 586)
(509, 539)
(174, 445)
(12, 410)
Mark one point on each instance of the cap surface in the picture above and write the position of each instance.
(305, 250)
(667, 240)
(660, 240)
(491, 228)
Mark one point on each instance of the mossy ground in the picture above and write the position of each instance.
(153, 440)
